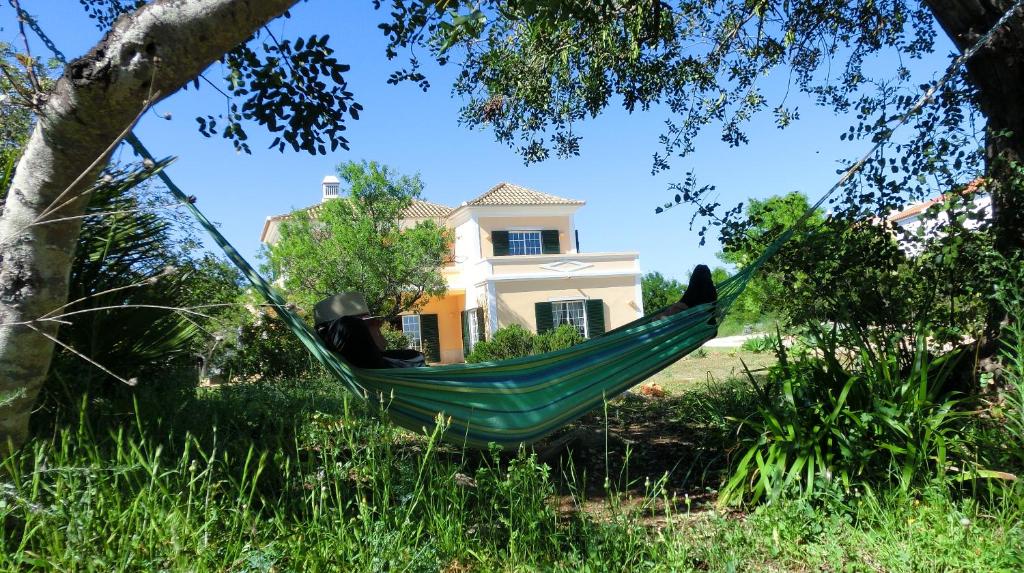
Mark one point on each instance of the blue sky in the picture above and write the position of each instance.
(418, 132)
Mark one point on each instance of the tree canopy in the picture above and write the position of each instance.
(359, 243)
(533, 70)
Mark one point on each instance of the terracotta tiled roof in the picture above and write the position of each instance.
(509, 194)
(418, 210)
(426, 209)
(918, 208)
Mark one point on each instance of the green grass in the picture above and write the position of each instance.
(711, 365)
(293, 476)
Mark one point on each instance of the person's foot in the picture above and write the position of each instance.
(701, 289)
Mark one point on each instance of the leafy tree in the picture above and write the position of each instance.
(659, 292)
(295, 88)
(766, 219)
(867, 274)
(357, 243)
(533, 69)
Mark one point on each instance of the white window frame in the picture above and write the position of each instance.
(474, 328)
(555, 314)
(416, 343)
(525, 241)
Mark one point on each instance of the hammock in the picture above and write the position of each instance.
(511, 402)
(519, 401)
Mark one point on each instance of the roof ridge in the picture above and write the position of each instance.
(513, 188)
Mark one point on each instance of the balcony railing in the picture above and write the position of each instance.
(560, 265)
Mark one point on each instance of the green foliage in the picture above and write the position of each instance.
(291, 475)
(659, 292)
(866, 274)
(558, 338)
(761, 344)
(512, 341)
(515, 341)
(527, 76)
(394, 337)
(355, 243)
(1008, 410)
(295, 88)
(768, 293)
(256, 345)
(829, 421)
(138, 292)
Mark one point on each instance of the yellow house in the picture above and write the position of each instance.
(516, 261)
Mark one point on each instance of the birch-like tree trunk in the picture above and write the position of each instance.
(147, 55)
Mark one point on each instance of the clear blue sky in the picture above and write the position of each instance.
(418, 132)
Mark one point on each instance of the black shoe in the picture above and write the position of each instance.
(701, 289)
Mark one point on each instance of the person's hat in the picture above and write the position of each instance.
(339, 305)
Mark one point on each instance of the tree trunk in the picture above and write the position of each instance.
(146, 55)
(998, 73)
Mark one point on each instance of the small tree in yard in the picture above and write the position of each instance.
(356, 243)
(659, 291)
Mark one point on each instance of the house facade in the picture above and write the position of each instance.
(516, 260)
(917, 219)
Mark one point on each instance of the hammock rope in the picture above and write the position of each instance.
(519, 401)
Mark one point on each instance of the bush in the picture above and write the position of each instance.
(829, 421)
(259, 346)
(564, 336)
(394, 337)
(514, 341)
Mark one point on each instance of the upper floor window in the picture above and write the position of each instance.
(411, 329)
(524, 243)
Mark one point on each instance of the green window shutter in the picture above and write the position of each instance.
(431, 337)
(465, 332)
(480, 324)
(549, 242)
(545, 319)
(595, 317)
(500, 241)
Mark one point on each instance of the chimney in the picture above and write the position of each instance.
(329, 187)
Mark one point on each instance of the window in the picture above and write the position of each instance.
(411, 329)
(524, 243)
(572, 312)
(474, 330)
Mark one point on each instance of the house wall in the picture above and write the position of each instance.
(449, 324)
(563, 224)
(516, 299)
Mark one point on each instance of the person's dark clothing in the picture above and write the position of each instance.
(350, 337)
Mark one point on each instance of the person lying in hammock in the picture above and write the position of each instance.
(700, 290)
(344, 323)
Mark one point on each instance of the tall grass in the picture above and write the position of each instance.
(830, 420)
(293, 476)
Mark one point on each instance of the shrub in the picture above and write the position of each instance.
(564, 336)
(394, 337)
(761, 344)
(259, 345)
(512, 341)
(827, 420)
(515, 341)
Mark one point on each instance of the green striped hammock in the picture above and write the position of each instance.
(511, 402)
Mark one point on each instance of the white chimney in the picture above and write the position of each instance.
(329, 187)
